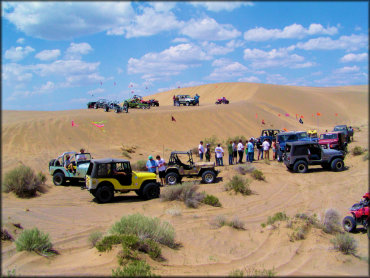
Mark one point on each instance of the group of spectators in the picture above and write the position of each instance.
(152, 166)
(236, 151)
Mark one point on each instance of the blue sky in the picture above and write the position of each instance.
(60, 55)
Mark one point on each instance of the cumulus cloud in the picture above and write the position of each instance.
(221, 6)
(226, 69)
(208, 29)
(15, 72)
(347, 69)
(351, 57)
(352, 42)
(294, 31)
(18, 53)
(277, 79)
(21, 40)
(252, 79)
(344, 76)
(96, 91)
(169, 62)
(46, 55)
(163, 6)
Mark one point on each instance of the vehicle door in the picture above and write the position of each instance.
(122, 172)
(315, 152)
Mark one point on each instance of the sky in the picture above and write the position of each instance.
(61, 55)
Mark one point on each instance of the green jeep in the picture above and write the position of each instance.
(60, 174)
(109, 175)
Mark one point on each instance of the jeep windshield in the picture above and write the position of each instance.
(302, 135)
(340, 128)
(328, 136)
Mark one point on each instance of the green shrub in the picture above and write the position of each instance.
(133, 269)
(94, 237)
(195, 151)
(151, 248)
(236, 273)
(139, 166)
(145, 227)
(22, 181)
(357, 150)
(279, 216)
(125, 154)
(105, 244)
(366, 156)
(245, 168)
(300, 232)
(345, 243)
(186, 192)
(331, 222)
(238, 185)
(213, 141)
(253, 272)
(212, 201)
(41, 177)
(236, 139)
(236, 223)
(218, 221)
(258, 175)
(34, 240)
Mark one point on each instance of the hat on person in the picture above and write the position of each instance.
(150, 157)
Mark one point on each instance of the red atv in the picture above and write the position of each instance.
(222, 100)
(360, 215)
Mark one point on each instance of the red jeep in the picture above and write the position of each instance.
(333, 140)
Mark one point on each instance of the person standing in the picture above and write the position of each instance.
(219, 155)
(231, 152)
(266, 149)
(240, 150)
(151, 164)
(174, 100)
(235, 152)
(161, 168)
(259, 149)
(208, 153)
(250, 151)
(201, 150)
(273, 146)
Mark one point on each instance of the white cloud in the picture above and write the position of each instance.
(67, 20)
(180, 40)
(352, 42)
(48, 54)
(252, 79)
(277, 79)
(65, 68)
(96, 91)
(347, 69)
(163, 6)
(21, 40)
(221, 6)
(48, 87)
(75, 50)
(344, 77)
(294, 31)
(351, 57)
(226, 69)
(169, 62)
(208, 29)
(18, 53)
(15, 72)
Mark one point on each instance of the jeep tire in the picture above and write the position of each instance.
(208, 177)
(151, 191)
(349, 224)
(172, 178)
(337, 165)
(59, 178)
(104, 194)
(300, 166)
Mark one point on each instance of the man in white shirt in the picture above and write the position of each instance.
(266, 149)
(240, 151)
(201, 150)
(219, 155)
(161, 169)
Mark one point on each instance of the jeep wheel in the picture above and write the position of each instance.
(187, 103)
(58, 179)
(208, 177)
(349, 224)
(104, 194)
(172, 178)
(151, 191)
(139, 193)
(337, 165)
(300, 166)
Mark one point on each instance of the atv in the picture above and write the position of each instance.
(360, 215)
(176, 169)
(222, 100)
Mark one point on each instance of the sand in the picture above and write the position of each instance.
(70, 214)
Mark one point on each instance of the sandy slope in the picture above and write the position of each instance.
(69, 214)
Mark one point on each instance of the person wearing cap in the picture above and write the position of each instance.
(151, 164)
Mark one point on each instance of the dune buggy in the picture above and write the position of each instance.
(177, 169)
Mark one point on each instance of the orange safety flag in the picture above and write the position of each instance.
(302, 117)
(73, 124)
(256, 116)
(318, 114)
(279, 114)
(285, 129)
(296, 116)
(336, 114)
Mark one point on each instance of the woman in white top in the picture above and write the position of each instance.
(240, 151)
(266, 149)
(161, 169)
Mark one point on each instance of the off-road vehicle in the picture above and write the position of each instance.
(359, 215)
(269, 134)
(333, 140)
(291, 136)
(344, 129)
(185, 100)
(109, 175)
(177, 169)
(122, 107)
(60, 175)
(222, 100)
(298, 155)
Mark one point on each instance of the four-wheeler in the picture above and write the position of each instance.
(359, 215)
(91, 104)
(269, 134)
(333, 140)
(222, 100)
(109, 175)
(61, 175)
(122, 107)
(101, 103)
(298, 155)
(151, 102)
(185, 100)
(135, 102)
(176, 169)
(344, 129)
(291, 136)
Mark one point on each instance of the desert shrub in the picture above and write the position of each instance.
(41, 177)
(366, 156)
(258, 175)
(238, 185)
(5, 235)
(218, 221)
(133, 269)
(22, 181)
(245, 168)
(125, 154)
(187, 192)
(279, 216)
(312, 219)
(236, 139)
(139, 166)
(236, 273)
(195, 151)
(357, 150)
(94, 237)
(254, 272)
(300, 232)
(127, 150)
(11, 273)
(212, 201)
(151, 248)
(174, 211)
(145, 227)
(236, 223)
(331, 222)
(106, 243)
(345, 243)
(34, 240)
(213, 141)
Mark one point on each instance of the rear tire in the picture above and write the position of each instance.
(151, 191)
(59, 179)
(300, 167)
(208, 177)
(349, 224)
(172, 178)
(337, 165)
(104, 194)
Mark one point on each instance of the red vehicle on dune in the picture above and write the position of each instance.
(359, 215)
(222, 100)
(333, 140)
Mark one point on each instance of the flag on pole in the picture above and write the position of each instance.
(300, 120)
(302, 117)
(287, 114)
(318, 114)
(263, 121)
(73, 124)
(256, 116)
(336, 114)
(173, 119)
(279, 114)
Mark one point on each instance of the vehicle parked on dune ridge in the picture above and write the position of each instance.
(185, 100)
(222, 100)
(61, 175)
(135, 102)
(106, 176)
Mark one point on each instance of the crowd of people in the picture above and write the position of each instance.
(160, 164)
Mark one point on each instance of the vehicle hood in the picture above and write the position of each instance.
(145, 175)
(327, 141)
(332, 152)
(209, 164)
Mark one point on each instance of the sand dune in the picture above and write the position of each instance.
(69, 214)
